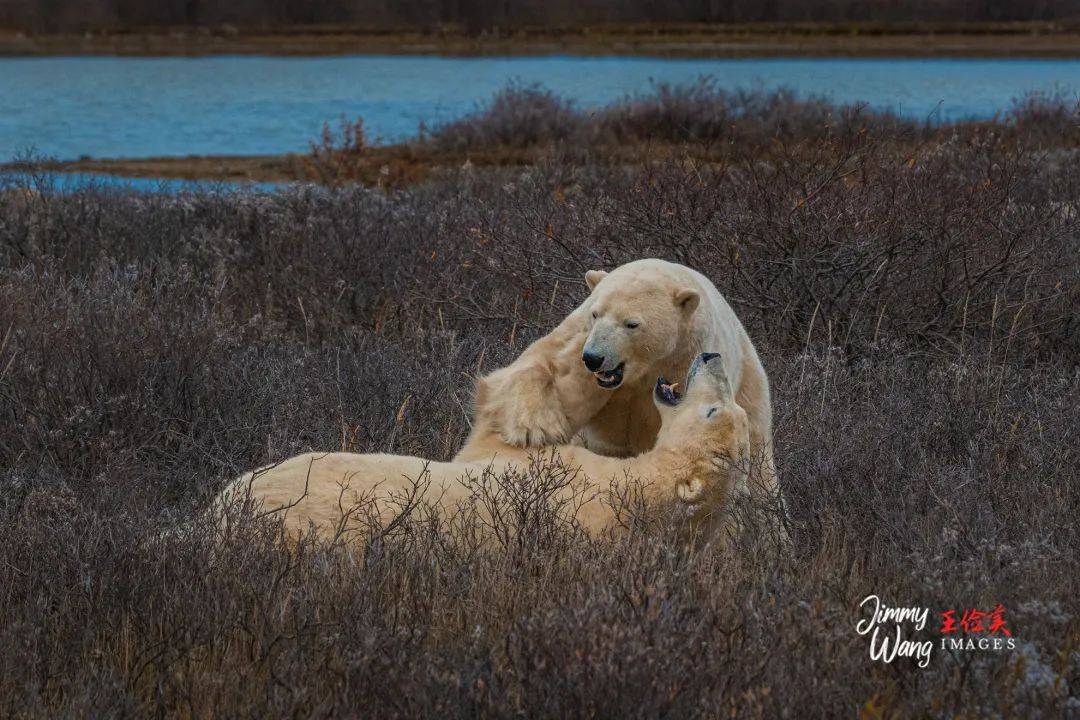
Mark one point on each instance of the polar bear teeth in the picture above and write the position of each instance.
(669, 392)
(611, 378)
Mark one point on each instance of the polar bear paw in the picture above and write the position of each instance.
(691, 492)
(524, 407)
(532, 422)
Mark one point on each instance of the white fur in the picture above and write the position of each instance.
(338, 492)
(548, 396)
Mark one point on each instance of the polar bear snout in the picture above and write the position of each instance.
(608, 372)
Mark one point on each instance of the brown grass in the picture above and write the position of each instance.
(917, 315)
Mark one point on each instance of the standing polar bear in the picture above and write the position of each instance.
(590, 377)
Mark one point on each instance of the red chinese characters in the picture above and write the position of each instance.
(997, 621)
(974, 621)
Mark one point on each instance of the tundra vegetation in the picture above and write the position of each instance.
(701, 28)
(475, 16)
(912, 289)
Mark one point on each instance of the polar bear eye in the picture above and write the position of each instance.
(631, 324)
(712, 411)
(594, 315)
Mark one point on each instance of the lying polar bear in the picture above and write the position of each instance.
(589, 377)
(699, 460)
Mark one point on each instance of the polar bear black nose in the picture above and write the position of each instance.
(592, 361)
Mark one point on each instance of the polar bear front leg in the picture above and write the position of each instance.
(547, 395)
(526, 408)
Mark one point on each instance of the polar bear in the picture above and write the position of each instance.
(589, 376)
(700, 460)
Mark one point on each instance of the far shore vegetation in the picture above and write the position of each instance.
(475, 17)
(814, 39)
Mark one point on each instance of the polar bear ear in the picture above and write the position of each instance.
(593, 277)
(687, 299)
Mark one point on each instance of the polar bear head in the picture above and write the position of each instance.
(705, 433)
(639, 315)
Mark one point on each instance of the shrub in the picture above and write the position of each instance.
(915, 309)
(1050, 118)
(517, 116)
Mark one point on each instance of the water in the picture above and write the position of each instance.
(141, 107)
(73, 181)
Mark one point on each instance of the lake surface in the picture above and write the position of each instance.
(140, 107)
(64, 182)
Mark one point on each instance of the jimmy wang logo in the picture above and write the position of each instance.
(885, 626)
(891, 628)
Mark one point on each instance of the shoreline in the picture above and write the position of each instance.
(378, 165)
(690, 41)
(225, 168)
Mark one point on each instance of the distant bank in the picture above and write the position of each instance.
(292, 167)
(1010, 39)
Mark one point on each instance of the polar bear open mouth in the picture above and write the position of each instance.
(610, 379)
(667, 393)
